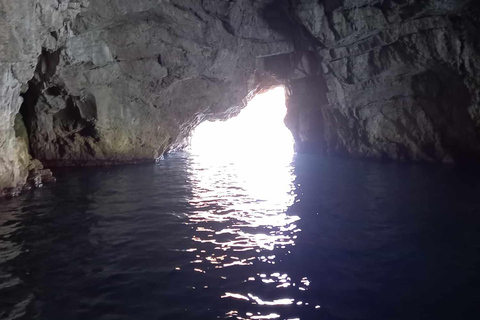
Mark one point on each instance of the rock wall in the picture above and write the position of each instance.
(397, 79)
(108, 81)
(136, 76)
(25, 27)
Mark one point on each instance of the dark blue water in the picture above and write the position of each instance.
(190, 239)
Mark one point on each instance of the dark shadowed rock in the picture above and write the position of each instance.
(401, 79)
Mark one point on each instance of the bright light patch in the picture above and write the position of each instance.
(242, 182)
(242, 175)
(258, 130)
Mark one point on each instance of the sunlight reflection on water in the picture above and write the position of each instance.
(241, 199)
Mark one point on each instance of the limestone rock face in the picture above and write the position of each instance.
(25, 26)
(396, 79)
(135, 76)
(107, 81)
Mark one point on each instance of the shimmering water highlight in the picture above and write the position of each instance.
(188, 239)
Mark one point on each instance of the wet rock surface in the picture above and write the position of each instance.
(37, 178)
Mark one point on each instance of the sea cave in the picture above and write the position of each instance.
(240, 159)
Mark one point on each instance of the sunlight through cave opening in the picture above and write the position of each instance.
(258, 132)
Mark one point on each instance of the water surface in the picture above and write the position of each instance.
(188, 238)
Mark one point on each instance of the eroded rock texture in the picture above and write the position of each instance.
(398, 79)
(122, 81)
(108, 81)
(25, 27)
(135, 76)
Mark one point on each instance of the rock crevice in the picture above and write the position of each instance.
(401, 79)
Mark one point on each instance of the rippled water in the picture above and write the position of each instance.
(194, 239)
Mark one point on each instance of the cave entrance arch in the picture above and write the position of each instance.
(257, 132)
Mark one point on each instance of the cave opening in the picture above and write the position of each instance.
(257, 132)
(249, 156)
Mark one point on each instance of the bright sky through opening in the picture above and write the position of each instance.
(254, 152)
(258, 131)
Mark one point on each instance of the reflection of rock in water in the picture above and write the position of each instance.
(13, 296)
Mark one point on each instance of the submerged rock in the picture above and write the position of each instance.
(38, 177)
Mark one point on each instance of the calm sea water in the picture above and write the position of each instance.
(310, 238)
